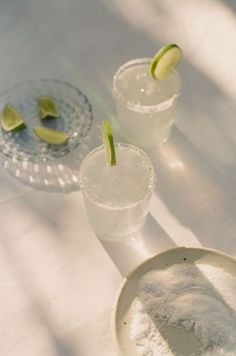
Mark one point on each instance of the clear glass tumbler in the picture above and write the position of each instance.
(117, 198)
(146, 108)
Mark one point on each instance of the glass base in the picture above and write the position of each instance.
(119, 238)
(141, 144)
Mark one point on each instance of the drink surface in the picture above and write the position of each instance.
(145, 107)
(129, 181)
(136, 86)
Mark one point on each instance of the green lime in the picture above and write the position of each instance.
(108, 143)
(47, 107)
(52, 136)
(165, 59)
(11, 120)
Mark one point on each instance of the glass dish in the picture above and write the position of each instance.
(75, 118)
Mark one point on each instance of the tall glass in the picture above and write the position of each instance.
(146, 108)
(117, 198)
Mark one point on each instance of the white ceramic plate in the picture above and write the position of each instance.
(181, 341)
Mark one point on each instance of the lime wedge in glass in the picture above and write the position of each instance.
(52, 136)
(165, 59)
(108, 142)
(11, 120)
(47, 107)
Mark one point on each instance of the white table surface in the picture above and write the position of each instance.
(58, 282)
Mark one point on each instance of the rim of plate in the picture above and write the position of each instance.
(113, 318)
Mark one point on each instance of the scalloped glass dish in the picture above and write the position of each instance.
(75, 118)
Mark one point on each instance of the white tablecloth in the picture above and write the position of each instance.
(58, 282)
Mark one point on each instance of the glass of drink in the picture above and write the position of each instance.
(145, 107)
(117, 197)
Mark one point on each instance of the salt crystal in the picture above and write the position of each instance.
(194, 297)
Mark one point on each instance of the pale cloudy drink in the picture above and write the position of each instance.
(117, 197)
(146, 108)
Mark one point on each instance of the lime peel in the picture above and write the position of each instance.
(11, 119)
(47, 107)
(108, 142)
(51, 136)
(165, 59)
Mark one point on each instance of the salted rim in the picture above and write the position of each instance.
(117, 146)
(138, 107)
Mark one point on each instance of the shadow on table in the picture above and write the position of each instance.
(131, 251)
(231, 4)
(198, 191)
(37, 306)
(196, 168)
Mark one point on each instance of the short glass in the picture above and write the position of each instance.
(146, 108)
(117, 198)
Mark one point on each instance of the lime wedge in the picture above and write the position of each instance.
(166, 58)
(52, 136)
(108, 143)
(11, 120)
(47, 107)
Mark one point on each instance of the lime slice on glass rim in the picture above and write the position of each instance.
(47, 107)
(108, 143)
(52, 136)
(165, 59)
(11, 120)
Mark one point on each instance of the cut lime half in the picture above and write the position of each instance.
(108, 142)
(11, 120)
(47, 107)
(165, 59)
(52, 136)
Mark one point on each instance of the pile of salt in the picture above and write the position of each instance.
(195, 297)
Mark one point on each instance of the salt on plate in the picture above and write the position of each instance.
(199, 298)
